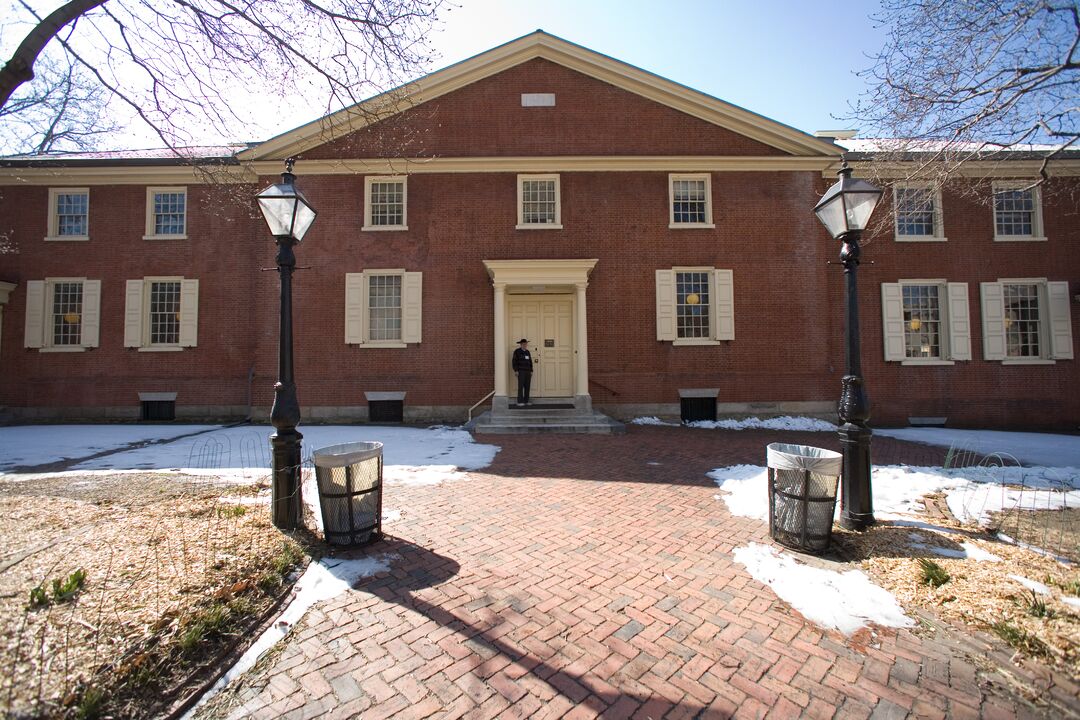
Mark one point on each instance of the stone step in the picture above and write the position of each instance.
(575, 428)
(521, 422)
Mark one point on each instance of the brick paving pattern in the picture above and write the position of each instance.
(584, 577)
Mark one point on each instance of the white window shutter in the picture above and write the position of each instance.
(892, 321)
(354, 308)
(189, 313)
(91, 312)
(1061, 341)
(993, 321)
(665, 305)
(133, 315)
(35, 314)
(959, 322)
(411, 296)
(724, 304)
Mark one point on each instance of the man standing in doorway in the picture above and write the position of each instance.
(523, 367)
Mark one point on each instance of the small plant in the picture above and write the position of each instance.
(69, 587)
(1069, 587)
(90, 703)
(1037, 607)
(1020, 638)
(231, 511)
(39, 597)
(204, 625)
(932, 573)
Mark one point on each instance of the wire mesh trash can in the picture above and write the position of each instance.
(802, 495)
(349, 477)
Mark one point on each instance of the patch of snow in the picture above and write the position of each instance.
(391, 515)
(1031, 584)
(845, 601)
(786, 422)
(40, 444)
(1032, 448)
(652, 420)
(323, 580)
(745, 490)
(966, 551)
(974, 552)
(1071, 601)
(1020, 543)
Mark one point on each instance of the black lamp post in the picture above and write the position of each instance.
(845, 210)
(289, 216)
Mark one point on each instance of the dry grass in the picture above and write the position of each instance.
(173, 564)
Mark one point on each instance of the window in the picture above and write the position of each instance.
(383, 308)
(926, 322)
(166, 213)
(690, 201)
(918, 213)
(161, 313)
(69, 214)
(1026, 320)
(385, 202)
(539, 205)
(1017, 212)
(62, 314)
(694, 306)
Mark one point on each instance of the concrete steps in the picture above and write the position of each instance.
(538, 419)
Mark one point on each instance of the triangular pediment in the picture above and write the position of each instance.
(539, 44)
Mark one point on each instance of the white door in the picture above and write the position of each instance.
(547, 322)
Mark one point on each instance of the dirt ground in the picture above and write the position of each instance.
(171, 565)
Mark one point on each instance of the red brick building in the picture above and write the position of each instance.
(653, 243)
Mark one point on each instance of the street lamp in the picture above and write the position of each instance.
(845, 210)
(289, 216)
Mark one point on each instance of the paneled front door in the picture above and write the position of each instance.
(547, 321)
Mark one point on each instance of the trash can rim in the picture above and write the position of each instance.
(344, 454)
(786, 456)
(800, 451)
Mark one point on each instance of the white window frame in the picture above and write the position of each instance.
(151, 216)
(372, 179)
(945, 354)
(1038, 233)
(90, 317)
(721, 306)
(148, 285)
(137, 298)
(954, 319)
(707, 177)
(358, 308)
(53, 226)
(939, 215)
(521, 224)
(1046, 351)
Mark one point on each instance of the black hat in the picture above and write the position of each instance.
(522, 340)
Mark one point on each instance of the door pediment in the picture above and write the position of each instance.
(539, 272)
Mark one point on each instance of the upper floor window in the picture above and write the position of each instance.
(918, 213)
(539, 205)
(690, 201)
(166, 213)
(385, 203)
(69, 214)
(1017, 212)
(62, 314)
(1026, 320)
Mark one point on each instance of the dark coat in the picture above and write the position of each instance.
(522, 361)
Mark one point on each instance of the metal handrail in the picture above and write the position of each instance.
(478, 403)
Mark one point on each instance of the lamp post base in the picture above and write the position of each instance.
(286, 492)
(856, 501)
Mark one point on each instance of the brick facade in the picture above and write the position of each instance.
(788, 300)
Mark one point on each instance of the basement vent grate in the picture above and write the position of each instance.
(386, 411)
(698, 408)
(158, 410)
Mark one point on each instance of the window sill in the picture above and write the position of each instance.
(920, 238)
(160, 348)
(63, 349)
(691, 226)
(383, 228)
(1018, 238)
(695, 341)
(928, 361)
(1028, 361)
(382, 345)
(538, 226)
(164, 237)
(67, 238)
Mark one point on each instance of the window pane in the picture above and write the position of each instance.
(915, 211)
(922, 321)
(67, 313)
(1014, 212)
(538, 202)
(388, 203)
(165, 313)
(169, 213)
(384, 307)
(688, 197)
(1022, 321)
(692, 304)
(71, 213)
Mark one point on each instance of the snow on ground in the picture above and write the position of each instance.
(1042, 449)
(1033, 585)
(323, 580)
(652, 420)
(39, 444)
(846, 601)
(795, 424)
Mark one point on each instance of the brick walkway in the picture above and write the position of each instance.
(585, 576)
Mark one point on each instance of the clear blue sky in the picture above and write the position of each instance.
(791, 61)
